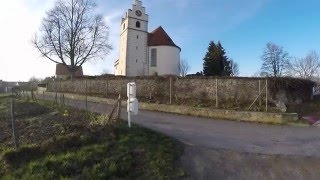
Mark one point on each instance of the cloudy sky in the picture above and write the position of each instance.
(243, 27)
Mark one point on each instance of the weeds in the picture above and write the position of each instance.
(80, 145)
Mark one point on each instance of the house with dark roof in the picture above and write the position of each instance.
(6, 87)
(2, 86)
(62, 72)
(142, 53)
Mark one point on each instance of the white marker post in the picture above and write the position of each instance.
(132, 103)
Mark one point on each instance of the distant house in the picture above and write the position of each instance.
(2, 86)
(6, 87)
(42, 88)
(64, 73)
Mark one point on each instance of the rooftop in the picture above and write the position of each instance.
(159, 37)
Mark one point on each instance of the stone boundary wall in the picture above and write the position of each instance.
(248, 116)
(218, 92)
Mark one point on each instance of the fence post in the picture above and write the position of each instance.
(267, 94)
(56, 99)
(60, 85)
(107, 89)
(42, 95)
(62, 100)
(260, 102)
(14, 134)
(27, 96)
(56, 95)
(217, 102)
(119, 106)
(60, 91)
(170, 90)
(86, 96)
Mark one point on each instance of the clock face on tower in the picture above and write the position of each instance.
(138, 13)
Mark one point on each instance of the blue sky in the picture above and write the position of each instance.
(243, 27)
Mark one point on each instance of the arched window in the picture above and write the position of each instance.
(153, 57)
(138, 24)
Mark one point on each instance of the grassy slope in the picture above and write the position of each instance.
(80, 148)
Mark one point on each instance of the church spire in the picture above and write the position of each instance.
(137, 2)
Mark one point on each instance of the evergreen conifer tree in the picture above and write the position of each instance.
(216, 62)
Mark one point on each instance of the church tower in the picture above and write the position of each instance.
(133, 60)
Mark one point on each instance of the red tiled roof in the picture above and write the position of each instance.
(61, 70)
(159, 37)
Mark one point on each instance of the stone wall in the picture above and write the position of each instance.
(221, 92)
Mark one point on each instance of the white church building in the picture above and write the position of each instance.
(143, 53)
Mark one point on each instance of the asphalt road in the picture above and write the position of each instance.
(221, 134)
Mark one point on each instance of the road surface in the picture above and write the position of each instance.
(222, 134)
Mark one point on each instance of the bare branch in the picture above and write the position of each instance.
(72, 34)
(234, 68)
(275, 60)
(184, 67)
(307, 67)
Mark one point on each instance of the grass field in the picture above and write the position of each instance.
(67, 143)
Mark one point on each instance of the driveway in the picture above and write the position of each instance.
(220, 149)
(222, 134)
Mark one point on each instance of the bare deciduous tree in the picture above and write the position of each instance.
(184, 67)
(275, 60)
(307, 67)
(34, 79)
(72, 34)
(234, 68)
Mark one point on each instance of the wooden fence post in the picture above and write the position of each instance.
(60, 85)
(27, 96)
(14, 133)
(63, 100)
(107, 89)
(86, 96)
(60, 90)
(119, 107)
(260, 102)
(120, 90)
(56, 98)
(217, 102)
(170, 90)
(56, 95)
(267, 94)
